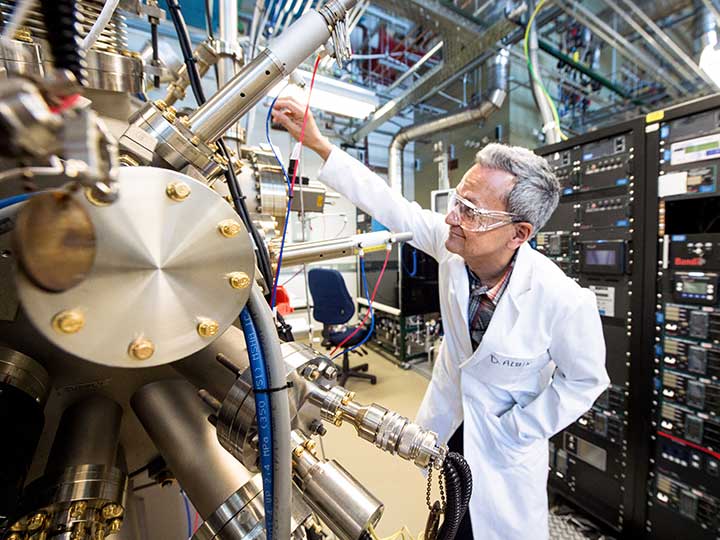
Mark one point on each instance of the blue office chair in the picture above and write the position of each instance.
(334, 306)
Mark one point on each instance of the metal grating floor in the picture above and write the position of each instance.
(565, 525)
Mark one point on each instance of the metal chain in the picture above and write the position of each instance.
(441, 485)
(429, 485)
(443, 499)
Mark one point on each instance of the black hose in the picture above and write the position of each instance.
(458, 482)
(232, 182)
(453, 507)
(61, 21)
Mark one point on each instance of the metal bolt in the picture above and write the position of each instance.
(347, 398)
(317, 427)
(207, 328)
(36, 522)
(178, 191)
(78, 509)
(112, 510)
(141, 349)
(331, 372)
(70, 321)
(160, 104)
(229, 228)
(239, 280)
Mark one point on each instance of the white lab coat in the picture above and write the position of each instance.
(540, 365)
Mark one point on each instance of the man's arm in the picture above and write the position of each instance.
(578, 350)
(361, 186)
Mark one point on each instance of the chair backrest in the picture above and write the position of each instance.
(332, 301)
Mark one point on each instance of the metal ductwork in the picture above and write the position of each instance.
(493, 101)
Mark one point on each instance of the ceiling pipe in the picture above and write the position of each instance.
(495, 97)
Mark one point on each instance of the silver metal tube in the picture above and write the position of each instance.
(415, 66)
(583, 15)
(488, 106)
(283, 55)
(228, 27)
(236, 98)
(334, 249)
(340, 500)
(668, 41)
(682, 70)
(88, 434)
(25, 374)
(176, 420)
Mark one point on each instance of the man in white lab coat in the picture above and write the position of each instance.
(523, 354)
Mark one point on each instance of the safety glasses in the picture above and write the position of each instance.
(474, 219)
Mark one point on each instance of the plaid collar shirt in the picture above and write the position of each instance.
(482, 302)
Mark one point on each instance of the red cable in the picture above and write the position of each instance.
(305, 117)
(66, 103)
(372, 299)
(291, 189)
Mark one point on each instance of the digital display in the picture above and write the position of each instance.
(695, 287)
(601, 257)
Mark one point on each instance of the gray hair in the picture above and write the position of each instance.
(536, 192)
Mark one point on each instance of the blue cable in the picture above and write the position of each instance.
(262, 409)
(187, 514)
(414, 259)
(269, 140)
(289, 204)
(4, 203)
(372, 313)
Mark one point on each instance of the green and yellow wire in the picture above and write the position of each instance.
(526, 48)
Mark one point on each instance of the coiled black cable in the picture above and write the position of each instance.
(61, 21)
(230, 177)
(458, 482)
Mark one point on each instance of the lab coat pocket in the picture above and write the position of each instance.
(514, 372)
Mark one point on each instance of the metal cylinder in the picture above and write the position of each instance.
(341, 501)
(236, 98)
(88, 434)
(23, 392)
(300, 40)
(176, 420)
(228, 27)
(307, 252)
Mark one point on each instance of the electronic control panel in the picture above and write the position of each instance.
(591, 237)
(684, 478)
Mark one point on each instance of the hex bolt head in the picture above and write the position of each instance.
(208, 328)
(229, 228)
(141, 349)
(239, 280)
(70, 321)
(178, 191)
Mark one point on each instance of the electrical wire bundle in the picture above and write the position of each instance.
(534, 74)
(370, 298)
(290, 182)
(238, 199)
